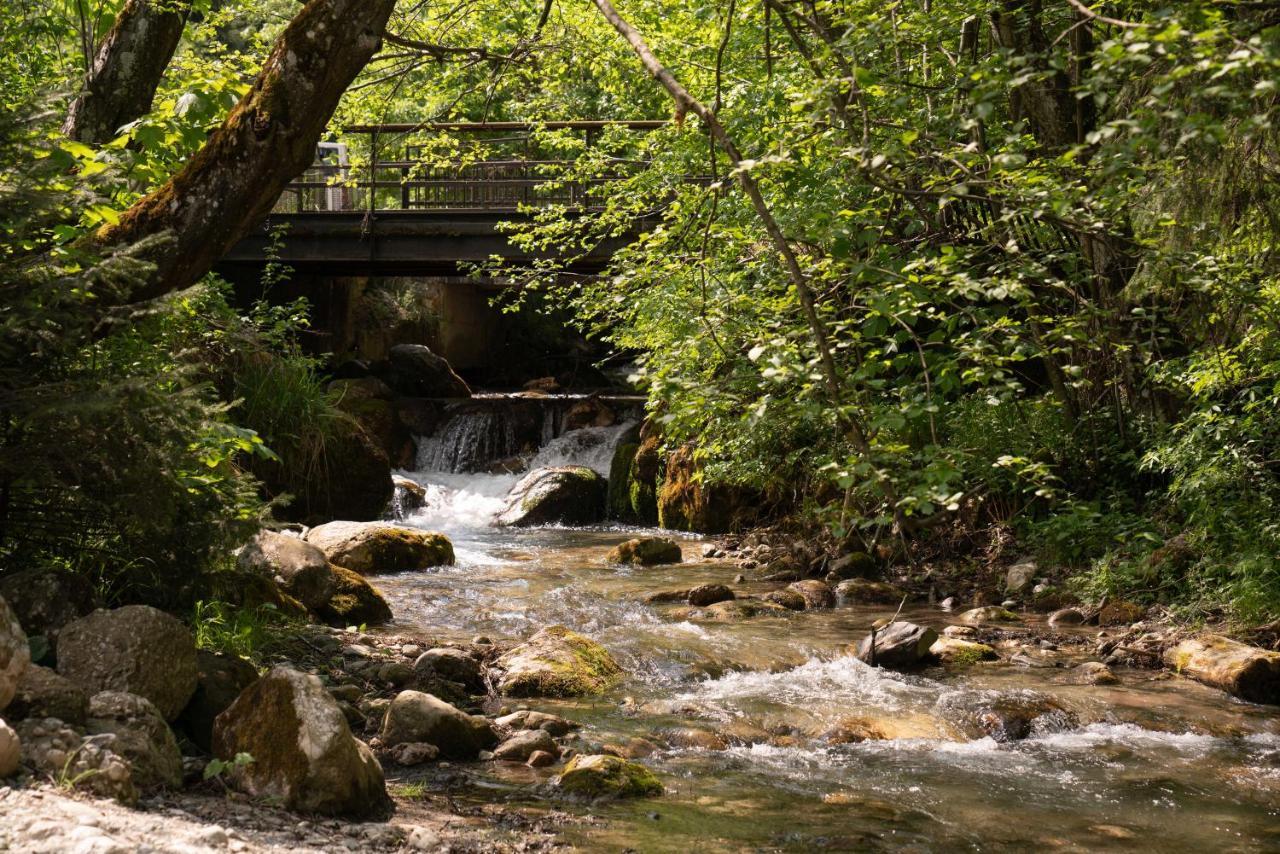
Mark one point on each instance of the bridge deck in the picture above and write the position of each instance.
(426, 199)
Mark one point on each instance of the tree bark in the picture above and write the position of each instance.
(268, 139)
(122, 80)
(1046, 103)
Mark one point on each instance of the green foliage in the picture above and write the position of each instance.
(244, 632)
(217, 768)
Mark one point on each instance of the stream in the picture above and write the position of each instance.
(1152, 763)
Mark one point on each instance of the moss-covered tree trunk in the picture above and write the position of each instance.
(125, 73)
(268, 139)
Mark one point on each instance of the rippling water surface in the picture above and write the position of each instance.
(1153, 764)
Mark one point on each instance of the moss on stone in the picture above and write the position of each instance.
(355, 602)
(604, 776)
(620, 507)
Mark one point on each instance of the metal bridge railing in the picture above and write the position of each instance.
(497, 166)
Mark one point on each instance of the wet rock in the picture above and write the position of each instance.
(666, 597)
(1120, 613)
(557, 662)
(634, 748)
(10, 750)
(568, 495)
(852, 565)
(417, 717)
(452, 664)
(860, 591)
(1094, 673)
(898, 645)
(56, 750)
(526, 742)
(948, 604)
(304, 754)
(371, 403)
(691, 738)
(529, 719)
(1067, 617)
(136, 649)
(15, 654)
(604, 776)
(1019, 576)
(413, 753)
(647, 551)
(301, 569)
(955, 651)
(370, 548)
(219, 680)
(817, 594)
(1004, 716)
(356, 602)
(397, 674)
(141, 737)
(591, 412)
(790, 599)
(887, 727)
(1248, 672)
(418, 372)
(42, 693)
(709, 594)
(988, 614)
(410, 496)
(960, 632)
(740, 609)
(540, 759)
(44, 600)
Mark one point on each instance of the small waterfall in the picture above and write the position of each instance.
(469, 441)
(484, 446)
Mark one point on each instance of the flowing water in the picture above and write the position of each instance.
(1153, 763)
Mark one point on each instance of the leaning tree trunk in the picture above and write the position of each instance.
(122, 80)
(269, 139)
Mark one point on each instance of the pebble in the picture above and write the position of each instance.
(357, 650)
(411, 650)
(481, 640)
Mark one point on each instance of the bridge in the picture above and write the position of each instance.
(426, 199)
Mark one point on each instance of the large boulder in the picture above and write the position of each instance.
(46, 599)
(370, 548)
(219, 681)
(141, 737)
(136, 649)
(352, 481)
(557, 662)
(417, 372)
(568, 495)
(15, 654)
(10, 750)
(898, 645)
(42, 693)
(453, 665)
(742, 608)
(852, 565)
(604, 776)
(414, 717)
(817, 594)
(950, 650)
(1248, 672)
(370, 401)
(988, 614)
(304, 755)
(524, 743)
(647, 551)
(301, 569)
(355, 602)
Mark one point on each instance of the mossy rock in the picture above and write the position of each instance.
(557, 662)
(647, 551)
(956, 651)
(604, 776)
(566, 495)
(619, 502)
(356, 602)
(685, 502)
(988, 614)
(860, 591)
(370, 548)
(369, 401)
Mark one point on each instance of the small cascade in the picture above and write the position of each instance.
(483, 446)
(469, 441)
